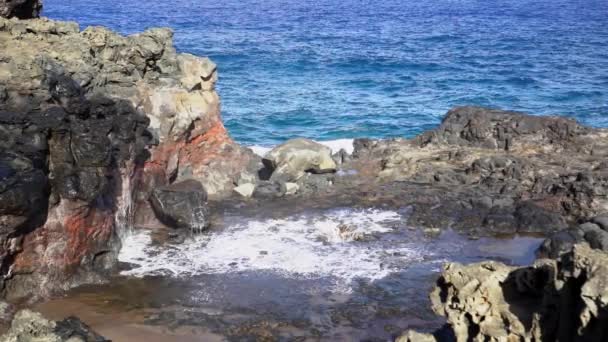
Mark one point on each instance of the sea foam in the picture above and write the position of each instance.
(334, 145)
(338, 244)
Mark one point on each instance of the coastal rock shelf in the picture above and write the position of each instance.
(108, 140)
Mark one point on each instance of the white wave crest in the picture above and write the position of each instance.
(334, 145)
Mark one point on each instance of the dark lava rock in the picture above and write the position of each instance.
(488, 128)
(182, 205)
(601, 221)
(560, 243)
(532, 218)
(63, 154)
(563, 241)
(22, 9)
(73, 328)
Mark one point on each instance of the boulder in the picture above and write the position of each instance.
(601, 221)
(182, 205)
(31, 326)
(595, 236)
(293, 159)
(22, 9)
(562, 242)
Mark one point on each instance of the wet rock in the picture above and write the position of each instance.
(563, 300)
(22, 9)
(293, 159)
(182, 205)
(31, 326)
(90, 123)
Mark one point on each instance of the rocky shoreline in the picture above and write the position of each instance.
(100, 133)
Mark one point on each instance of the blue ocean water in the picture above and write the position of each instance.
(330, 69)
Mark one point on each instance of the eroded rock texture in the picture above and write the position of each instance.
(553, 300)
(62, 168)
(91, 122)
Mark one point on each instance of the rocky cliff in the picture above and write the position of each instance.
(90, 122)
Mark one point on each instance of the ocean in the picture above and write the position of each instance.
(329, 69)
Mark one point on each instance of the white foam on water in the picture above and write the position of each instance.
(334, 145)
(324, 245)
(260, 150)
(338, 144)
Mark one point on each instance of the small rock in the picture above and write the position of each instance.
(291, 188)
(245, 190)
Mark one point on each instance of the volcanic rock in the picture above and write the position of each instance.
(22, 9)
(552, 300)
(182, 205)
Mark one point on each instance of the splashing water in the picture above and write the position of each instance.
(343, 244)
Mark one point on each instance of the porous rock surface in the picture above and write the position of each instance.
(90, 123)
(553, 300)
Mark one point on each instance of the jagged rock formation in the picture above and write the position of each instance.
(91, 122)
(22, 9)
(176, 91)
(553, 300)
(498, 171)
(28, 326)
(62, 167)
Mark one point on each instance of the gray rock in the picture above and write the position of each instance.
(293, 159)
(561, 242)
(182, 205)
(595, 236)
(602, 221)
